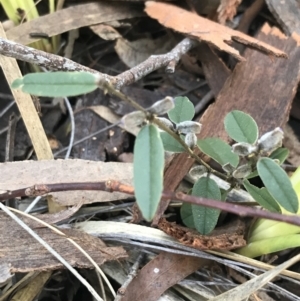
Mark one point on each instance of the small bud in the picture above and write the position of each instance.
(166, 122)
(277, 161)
(242, 171)
(270, 141)
(197, 171)
(186, 127)
(190, 140)
(162, 106)
(133, 119)
(102, 83)
(228, 168)
(243, 149)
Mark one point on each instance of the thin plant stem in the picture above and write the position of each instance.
(106, 86)
(111, 185)
(188, 150)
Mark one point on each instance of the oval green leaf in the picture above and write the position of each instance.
(218, 150)
(184, 110)
(187, 215)
(148, 165)
(205, 219)
(241, 127)
(57, 84)
(278, 184)
(171, 144)
(262, 197)
(280, 154)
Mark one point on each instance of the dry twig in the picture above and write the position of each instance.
(58, 63)
(112, 186)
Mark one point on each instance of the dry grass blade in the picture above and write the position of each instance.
(28, 113)
(252, 262)
(26, 108)
(246, 289)
(24, 282)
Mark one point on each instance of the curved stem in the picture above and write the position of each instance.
(188, 150)
(107, 86)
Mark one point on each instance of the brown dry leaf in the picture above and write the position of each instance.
(205, 30)
(136, 52)
(227, 10)
(72, 18)
(227, 237)
(53, 218)
(15, 175)
(108, 115)
(105, 32)
(24, 254)
(161, 273)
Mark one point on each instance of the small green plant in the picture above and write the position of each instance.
(250, 156)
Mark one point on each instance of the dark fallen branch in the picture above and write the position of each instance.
(111, 186)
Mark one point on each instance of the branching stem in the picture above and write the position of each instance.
(110, 186)
(107, 86)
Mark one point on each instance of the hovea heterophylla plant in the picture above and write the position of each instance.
(251, 155)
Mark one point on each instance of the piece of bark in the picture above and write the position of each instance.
(16, 175)
(161, 273)
(227, 10)
(248, 16)
(227, 237)
(206, 30)
(215, 71)
(24, 254)
(260, 87)
(287, 14)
